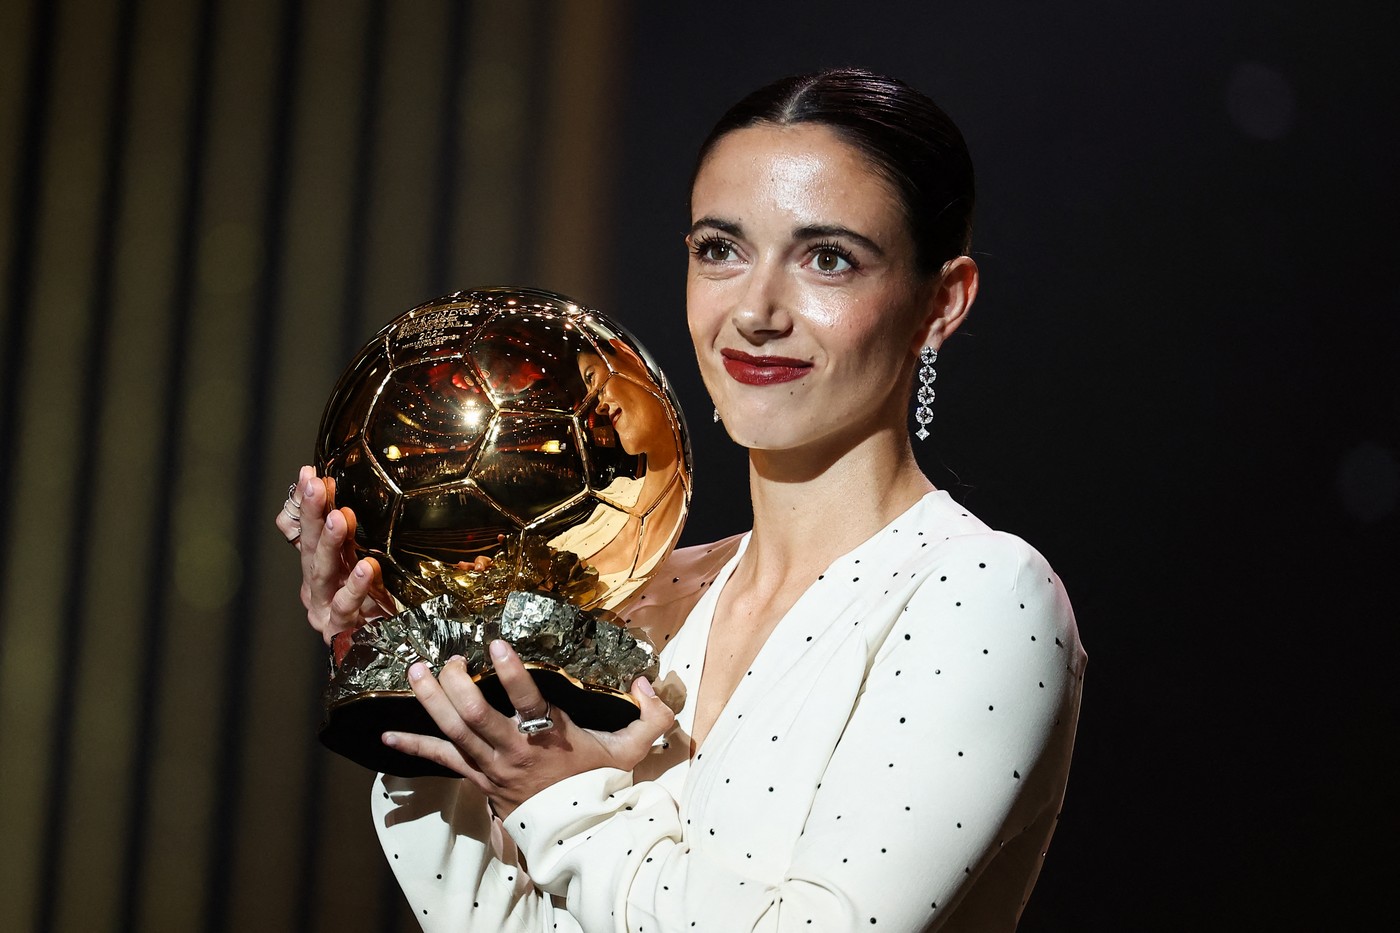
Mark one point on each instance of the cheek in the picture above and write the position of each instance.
(628, 396)
(829, 309)
(868, 336)
(846, 323)
(701, 311)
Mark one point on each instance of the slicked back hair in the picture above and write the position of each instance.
(903, 134)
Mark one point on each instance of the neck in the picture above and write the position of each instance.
(657, 467)
(810, 506)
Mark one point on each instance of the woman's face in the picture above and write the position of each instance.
(803, 298)
(636, 415)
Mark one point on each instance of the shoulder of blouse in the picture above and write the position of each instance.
(659, 608)
(997, 578)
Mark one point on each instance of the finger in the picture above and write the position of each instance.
(495, 728)
(314, 503)
(637, 737)
(475, 565)
(288, 522)
(318, 500)
(436, 750)
(348, 554)
(520, 687)
(328, 567)
(347, 605)
(289, 528)
(463, 715)
(286, 525)
(378, 601)
(312, 517)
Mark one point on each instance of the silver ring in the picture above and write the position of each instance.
(537, 724)
(296, 533)
(293, 505)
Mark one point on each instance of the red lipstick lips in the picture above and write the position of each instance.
(762, 370)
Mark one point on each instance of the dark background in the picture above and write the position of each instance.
(1178, 383)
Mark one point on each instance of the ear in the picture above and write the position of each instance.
(950, 298)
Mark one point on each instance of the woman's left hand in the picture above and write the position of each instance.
(489, 750)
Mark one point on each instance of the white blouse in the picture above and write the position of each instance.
(895, 759)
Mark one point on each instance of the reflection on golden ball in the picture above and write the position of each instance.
(512, 424)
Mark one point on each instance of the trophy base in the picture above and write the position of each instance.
(353, 727)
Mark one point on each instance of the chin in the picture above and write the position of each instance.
(755, 433)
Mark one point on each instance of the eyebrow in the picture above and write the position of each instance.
(809, 232)
(836, 230)
(724, 226)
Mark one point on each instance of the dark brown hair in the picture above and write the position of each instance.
(904, 135)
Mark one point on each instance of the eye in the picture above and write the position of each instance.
(830, 259)
(713, 248)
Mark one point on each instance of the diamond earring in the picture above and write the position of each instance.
(716, 416)
(923, 413)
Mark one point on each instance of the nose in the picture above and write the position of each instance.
(605, 397)
(762, 311)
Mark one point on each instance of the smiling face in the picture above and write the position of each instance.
(637, 415)
(803, 298)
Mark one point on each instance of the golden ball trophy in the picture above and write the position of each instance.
(516, 425)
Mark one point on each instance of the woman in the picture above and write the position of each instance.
(881, 691)
(611, 538)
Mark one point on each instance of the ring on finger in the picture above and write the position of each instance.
(533, 725)
(294, 535)
(293, 505)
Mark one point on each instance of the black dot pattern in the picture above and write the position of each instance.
(895, 716)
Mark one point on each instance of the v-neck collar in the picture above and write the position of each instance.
(692, 642)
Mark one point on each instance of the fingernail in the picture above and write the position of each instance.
(390, 739)
(361, 570)
(417, 670)
(310, 488)
(499, 650)
(644, 685)
(456, 657)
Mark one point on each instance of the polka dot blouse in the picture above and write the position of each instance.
(894, 760)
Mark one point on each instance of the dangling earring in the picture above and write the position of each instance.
(923, 414)
(716, 416)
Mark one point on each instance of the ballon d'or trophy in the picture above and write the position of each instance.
(516, 425)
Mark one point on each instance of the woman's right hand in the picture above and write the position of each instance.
(338, 591)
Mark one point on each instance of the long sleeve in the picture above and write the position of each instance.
(902, 770)
(457, 869)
